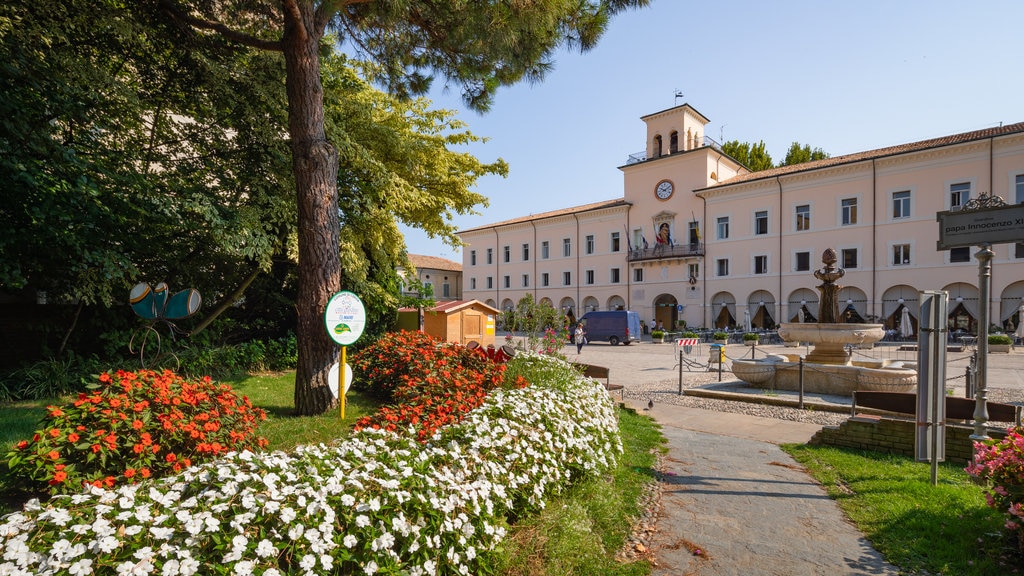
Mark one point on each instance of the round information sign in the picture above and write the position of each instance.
(345, 318)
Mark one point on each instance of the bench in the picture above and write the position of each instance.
(599, 372)
(956, 408)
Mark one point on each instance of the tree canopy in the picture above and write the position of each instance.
(200, 143)
(756, 158)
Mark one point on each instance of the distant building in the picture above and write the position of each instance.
(699, 238)
(443, 275)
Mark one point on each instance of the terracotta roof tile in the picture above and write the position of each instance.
(553, 213)
(873, 154)
(421, 261)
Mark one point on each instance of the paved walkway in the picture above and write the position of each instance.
(733, 502)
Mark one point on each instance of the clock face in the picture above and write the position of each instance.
(664, 190)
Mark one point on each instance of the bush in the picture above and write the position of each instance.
(1000, 465)
(133, 426)
(375, 502)
(750, 336)
(999, 339)
(434, 383)
(689, 335)
(720, 336)
(657, 334)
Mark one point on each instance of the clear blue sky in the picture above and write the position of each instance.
(845, 77)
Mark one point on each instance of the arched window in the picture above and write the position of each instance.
(657, 146)
(673, 142)
(689, 139)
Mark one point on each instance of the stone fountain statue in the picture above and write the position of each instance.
(829, 304)
(832, 370)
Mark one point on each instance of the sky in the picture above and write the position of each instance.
(841, 76)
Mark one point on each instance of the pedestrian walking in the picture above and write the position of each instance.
(579, 337)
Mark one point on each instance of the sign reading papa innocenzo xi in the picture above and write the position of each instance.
(995, 223)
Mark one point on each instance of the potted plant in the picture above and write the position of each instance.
(657, 336)
(999, 343)
(720, 337)
(751, 339)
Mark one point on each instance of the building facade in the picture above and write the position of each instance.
(442, 275)
(698, 238)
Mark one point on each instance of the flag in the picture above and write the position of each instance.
(644, 238)
(696, 226)
(629, 245)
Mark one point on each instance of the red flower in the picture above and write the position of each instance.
(72, 437)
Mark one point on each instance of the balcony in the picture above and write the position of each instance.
(641, 156)
(661, 252)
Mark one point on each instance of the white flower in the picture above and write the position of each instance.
(370, 568)
(287, 515)
(362, 521)
(82, 567)
(308, 562)
(265, 549)
(349, 541)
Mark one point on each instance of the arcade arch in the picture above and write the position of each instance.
(803, 299)
(723, 310)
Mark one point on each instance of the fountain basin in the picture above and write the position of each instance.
(782, 372)
(830, 340)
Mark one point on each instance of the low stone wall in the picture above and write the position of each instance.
(896, 436)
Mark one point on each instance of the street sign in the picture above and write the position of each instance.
(996, 225)
(345, 318)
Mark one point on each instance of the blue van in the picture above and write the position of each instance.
(612, 325)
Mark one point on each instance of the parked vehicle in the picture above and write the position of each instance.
(612, 325)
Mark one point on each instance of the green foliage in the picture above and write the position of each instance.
(750, 336)
(133, 426)
(999, 339)
(798, 154)
(753, 156)
(657, 334)
(720, 336)
(689, 335)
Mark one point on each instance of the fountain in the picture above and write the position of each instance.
(829, 367)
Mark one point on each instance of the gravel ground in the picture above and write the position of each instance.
(667, 392)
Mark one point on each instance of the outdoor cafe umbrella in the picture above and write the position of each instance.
(746, 321)
(906, 328)
(1020, 323)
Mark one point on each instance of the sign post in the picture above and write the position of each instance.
(345, 319)
(930, 440)
(982, 222)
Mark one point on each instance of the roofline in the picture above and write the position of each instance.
(683, 105)
(619, 202)
(867, 155)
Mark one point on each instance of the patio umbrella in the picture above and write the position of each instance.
(1020, 324)
(906, 328)
(746, 321)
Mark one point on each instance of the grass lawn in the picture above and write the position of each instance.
(923, 529)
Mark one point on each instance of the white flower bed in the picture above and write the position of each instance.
(376, 502)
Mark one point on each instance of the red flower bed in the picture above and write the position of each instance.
(431, 383)
(135, 425)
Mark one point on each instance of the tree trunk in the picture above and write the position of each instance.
(315, 163)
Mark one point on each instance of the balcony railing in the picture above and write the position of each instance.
(662, 251)
(641, 156)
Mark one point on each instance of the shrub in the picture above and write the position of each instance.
(750, 336)
(131, 426)
(1000, 465)
(376, 502)
(657, 334)
(689, 335)
(999, 339)
(433, 383)
(720, 336)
